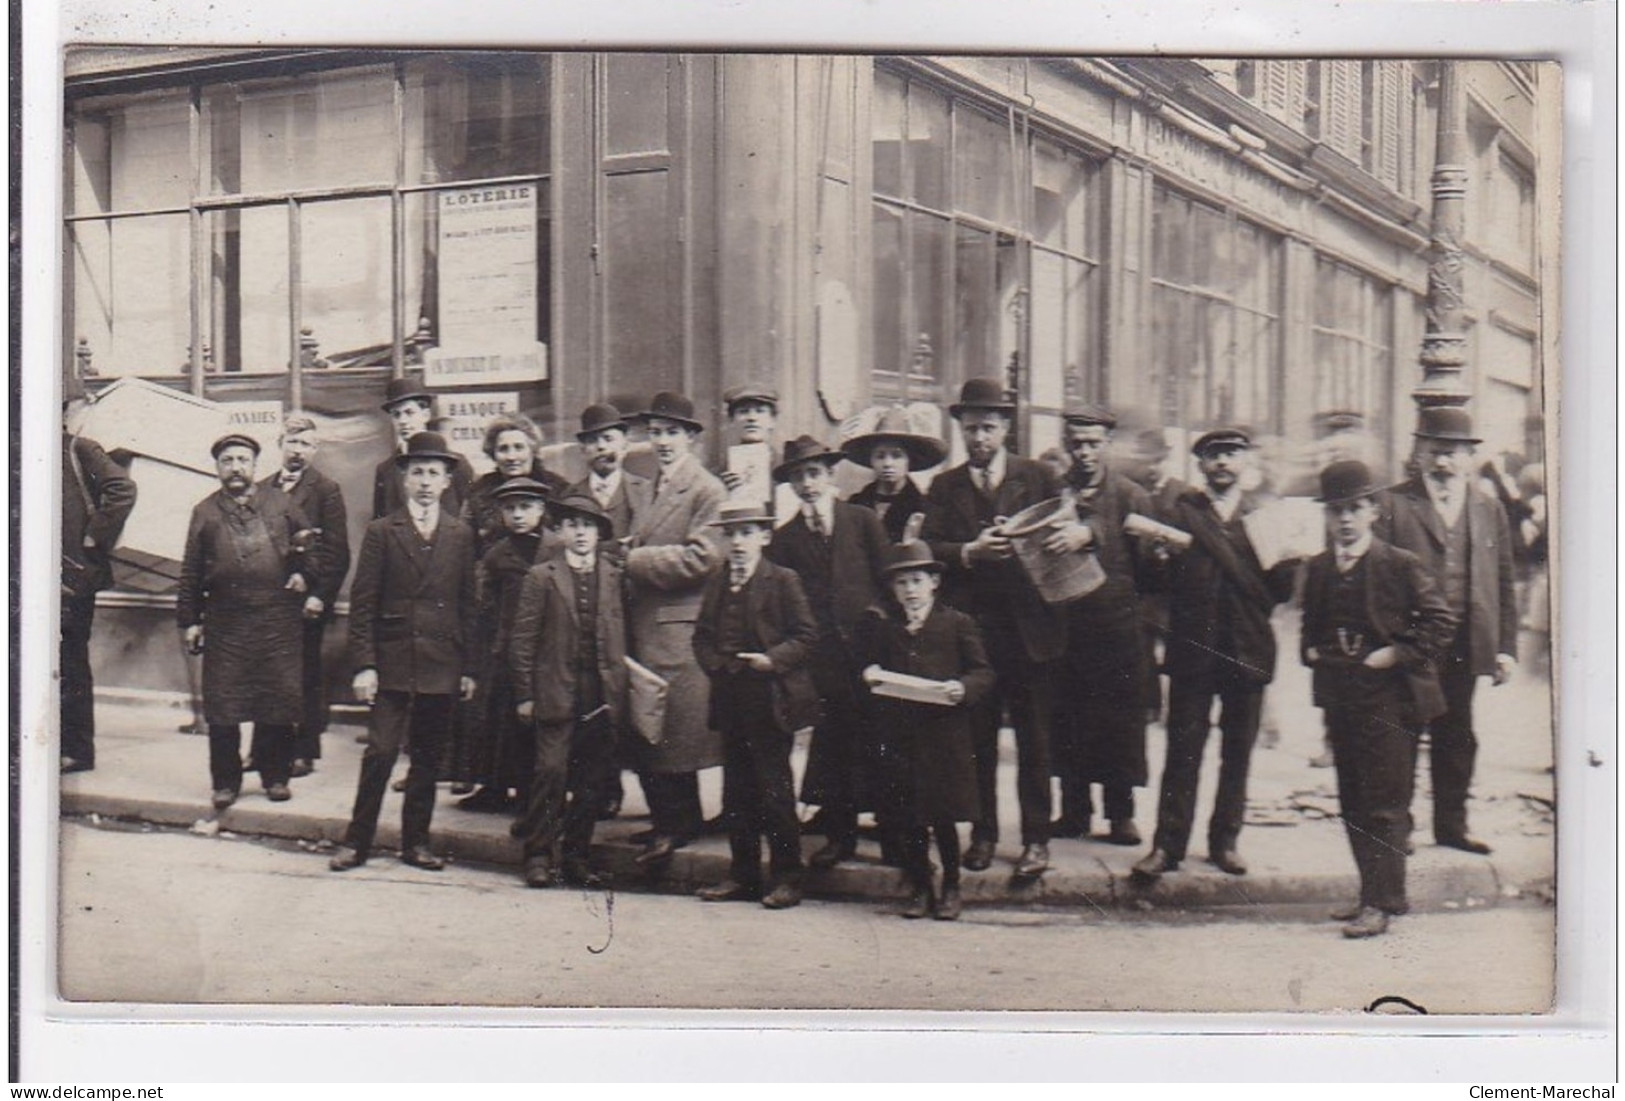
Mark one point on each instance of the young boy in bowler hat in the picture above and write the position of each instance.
(753, 638)
(1374, 625)
(567, 661)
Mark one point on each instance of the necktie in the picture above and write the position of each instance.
(984, 480)
(287, 481)
(816, 522)
(737, 578)
(601, 493)
(420, 520)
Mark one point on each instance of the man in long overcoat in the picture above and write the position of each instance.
(320, 500)
(1221, 645)
(966, 508)
(413, 623)
(671, 553)
(97, 496)
(245, 574)
(1460, 534)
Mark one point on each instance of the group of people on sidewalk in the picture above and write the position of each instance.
(535, 638)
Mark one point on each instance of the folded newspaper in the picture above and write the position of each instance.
(903, 686)
(648, 703)
(1285, 529)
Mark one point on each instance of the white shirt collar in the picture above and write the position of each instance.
(287, 477)
(580, 562)
(750, 572)
(825, 507)
(424, 517)
(607, 485)
(1347, 557)
(995, 469)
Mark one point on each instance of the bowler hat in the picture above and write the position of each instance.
(522, 487)
(1090, 414)
(1346, 480)
(1445, 422)
(911, 556)
(596, 418)
(403, 389)
(893, 428)
(1222, 438)
(982, 393)
(581, 505)
(672, 406)
(741, 513)
(234, 439)
(427, 445)
(804, 449)
(750, 391)
(1151, 445)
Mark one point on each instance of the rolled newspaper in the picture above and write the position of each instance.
(1146, 528)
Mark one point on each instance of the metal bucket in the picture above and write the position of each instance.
(1059, 578)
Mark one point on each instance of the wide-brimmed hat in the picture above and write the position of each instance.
(742, 513)
(923, 452)
(911, 556)
(403, 389)
(1230, 436)
(596, 418)
(234, 439)
(672, 406)
(1445, 422)
(982, 393)
(804, 449)
(427, 445)
(1346, 480)
(1090, 414)
(581, 505)
(522, 486)
(750, 391)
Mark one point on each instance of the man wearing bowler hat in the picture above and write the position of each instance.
(410, 409)
(1374, 623)
(1220, 645)
(839, 552)
(1025, 637)
(245, 574)
(1105, 665)
(621, 494)
(671, 551)
(413, 622)
(1460, 534)
(893, 450)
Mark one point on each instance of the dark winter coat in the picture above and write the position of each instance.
(778, 611)
(546, 635)
(97, 497)
(909, 500)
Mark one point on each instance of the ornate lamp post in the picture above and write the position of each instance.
(1444, 344)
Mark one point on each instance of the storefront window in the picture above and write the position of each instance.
(130, 280)
(1216, 308)
(1353, 343)
(246, 296)
(131, 153)
(481, 117)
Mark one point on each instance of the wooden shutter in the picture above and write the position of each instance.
(1340, 107)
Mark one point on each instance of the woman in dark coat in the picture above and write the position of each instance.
(934, 786)
(893, 451)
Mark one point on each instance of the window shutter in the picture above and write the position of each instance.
(1280, 89)
(1388, 92)
(1340, 107)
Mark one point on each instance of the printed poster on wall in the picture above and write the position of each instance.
(488, 287)
(463, 420)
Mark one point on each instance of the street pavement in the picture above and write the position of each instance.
(147, 771)
(165, 917)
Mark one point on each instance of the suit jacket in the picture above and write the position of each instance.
(97, 512)
(857, 554)
(672, 552)
(547, 632)
(1407, 519)
(994, 590)
(784, 623)
(321, 501)
(1218, 582)
(1406, 610)
(907, 502)
(388, 494)
(413, 614)
(636, 492)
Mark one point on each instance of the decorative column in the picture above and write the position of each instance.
(1444, 344)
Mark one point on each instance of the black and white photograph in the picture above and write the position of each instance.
(695, 529)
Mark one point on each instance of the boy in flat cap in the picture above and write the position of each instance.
(838, 550)
(567, 663)
(1374, 625)
(1221, 644)
(753, 638)
(244, 579)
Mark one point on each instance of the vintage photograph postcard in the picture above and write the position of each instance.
(561, 528)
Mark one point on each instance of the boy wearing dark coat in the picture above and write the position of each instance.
(567, 660)
(754, 637)
(1374, 625)
(936, 782)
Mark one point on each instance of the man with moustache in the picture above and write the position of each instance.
(1105, 660)
(320, 500)
(245, 574)
(670, 554)
(1221, 645)
(1025, 637)
(1460, 534)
